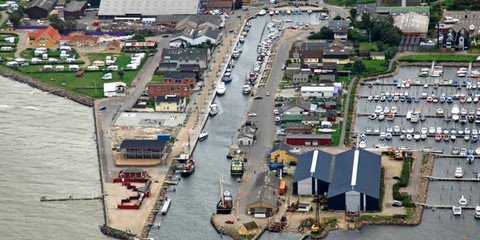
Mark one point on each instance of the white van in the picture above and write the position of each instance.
(113, 68)
(92, 68)
(107, 76)
(99, 63)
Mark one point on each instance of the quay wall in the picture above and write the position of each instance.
(115, 233)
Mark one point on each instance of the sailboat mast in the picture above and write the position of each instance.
(221, 190)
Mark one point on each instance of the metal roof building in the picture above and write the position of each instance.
(37, 9)
(146, 8)
(265, 193)
(312, 176)
(355, 184)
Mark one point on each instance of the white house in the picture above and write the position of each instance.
(318, 91)
(114, 89)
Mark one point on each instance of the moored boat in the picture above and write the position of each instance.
(237, 166)
(213, 109)
(166, 206)
(224, 205)
(221, 89)
(203, 135)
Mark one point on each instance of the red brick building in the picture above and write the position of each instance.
(163, 89)
(180, 77)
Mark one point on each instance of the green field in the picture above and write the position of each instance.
(438, 58)
(29, 53)
(157, 79)
(368, 46)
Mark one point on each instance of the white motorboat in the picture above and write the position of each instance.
(382, 135)
(462, 201)
(457, 211)
(262, 12)
(203, 135)
(477, 211)
(166, 206)
(221, 89)
(431, 130)
(459, 172)
(362, 143)
(470, 159)
(477, 151)
(378, 109)
(213, 109)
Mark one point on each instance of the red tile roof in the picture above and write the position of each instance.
(51, 32)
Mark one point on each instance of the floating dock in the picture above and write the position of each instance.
(443, 206)
(431, 178)
(70, 198)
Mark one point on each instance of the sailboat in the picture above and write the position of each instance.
(225, 203)
(189, 166)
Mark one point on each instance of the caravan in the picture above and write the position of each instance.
(6, 49)
(99, 63)
(73, 68)
(65, 48)
(107, 76)
(131, 67)
(112, 68)
(12, 64)
(59, 68)
(92, 68)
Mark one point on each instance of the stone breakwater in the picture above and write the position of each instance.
(61, 92)
(115, 233)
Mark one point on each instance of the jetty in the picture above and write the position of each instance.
(431, 178)
(69, 198)
(442, 206)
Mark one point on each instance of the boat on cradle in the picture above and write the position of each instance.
(363, 142)
(221, 89)
(462, 201)
(470, 159)
(246, 89)
(213, 109)
(225, 203)
(165, 207)
(457, 211)
(203, 135)
(237, 166)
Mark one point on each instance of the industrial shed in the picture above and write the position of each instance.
(75, 9)
(309, 139)
(263, 199)
(37, 9)
(355, 185)
(312, 176)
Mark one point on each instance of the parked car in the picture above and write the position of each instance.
(396, 204)
(229, 221)
(397, 177)
(165, 36)
(79, 74)
(258, 97)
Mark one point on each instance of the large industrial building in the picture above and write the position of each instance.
(146, 8)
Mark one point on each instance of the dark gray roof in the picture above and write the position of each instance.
(171, 18)
(370, 8)
(143, 144)
(74, 6)
(265, 189)
(367, 177)
(311, 117)
(297, 125)
(330, 65)
(132, 170)
(338, 25)
(180, 53)
(297, 102)
(327, 77)
(168, 98)
(189, 67)
(166, 65)
(322, 166)
(280, 146)
(331, 113)
(178, 75)
(309, 136)
(315, 45)
(377, 54)
(44, 4)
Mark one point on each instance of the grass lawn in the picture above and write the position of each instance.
(7, 55)
(29, 54)
(122, 58)
(335, 135)
(367, 46)
(374, 67)
(474, 50)
(438, 58)
(157, 79)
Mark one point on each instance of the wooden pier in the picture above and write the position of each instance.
(69, 198)
(443, 206)
(431, 178)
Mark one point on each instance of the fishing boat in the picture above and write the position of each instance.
(470, 159)
(362, 142)
(165, 207)
(463, 201)
(237, 166)
(213, 109)
(189, 166)
(224, 205)
(221, 89)
(457, 211)
(203, 135)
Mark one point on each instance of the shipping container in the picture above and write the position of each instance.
(163, 137)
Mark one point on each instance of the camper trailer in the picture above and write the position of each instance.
(48, 68)
(92, 68)
(12, 64)
(36, 60)
(6, 49)
(112, 68)
(99, 63)
(73, 68)
(59, 68)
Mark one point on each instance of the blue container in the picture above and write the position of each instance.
(163, 137)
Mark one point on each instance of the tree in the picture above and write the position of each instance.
(70, 23)
(120, 73)
(139, 37)
(353, 13)
(325, 33)
(390, 52)
(358, 67)
(15, 17)
(56, 22)
(366, 21)
(338, 18)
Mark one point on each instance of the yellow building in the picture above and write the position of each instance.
(281, 153)
(43, 37)
(249, 228)
(170, 103)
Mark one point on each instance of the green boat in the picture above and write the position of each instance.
(237, 166)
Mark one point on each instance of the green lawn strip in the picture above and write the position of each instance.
(157, 79)
(407, 165)
(29, 53)
(438, 58)
(368, 46)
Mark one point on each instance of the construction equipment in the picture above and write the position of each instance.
(395, 154)
(316, 225)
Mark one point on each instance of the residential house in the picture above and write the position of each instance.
(355, 184)
(163, 89)
(300, 78)
(198, 56)
(113, 47)
(191, 68)
(337, 56)
(340, 29)
(199, 22)
(297, 127)
(377, 56)
(247, 135)
(312, 57)
(48, 37)
(191, 37)
(365, 8)
(295, 54)
(296, 106)
(462, 41)
(292, 69)
(309, 139)
(248, 228)
(453, 41)
(140, 46)
(265, 193)
(312, 175)
(281, 153)
(331, 116)
(82, 40)
(75, 9)
(143, 148)
(170, 103)
(114, 89)
(180, 77)
(37, 9)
